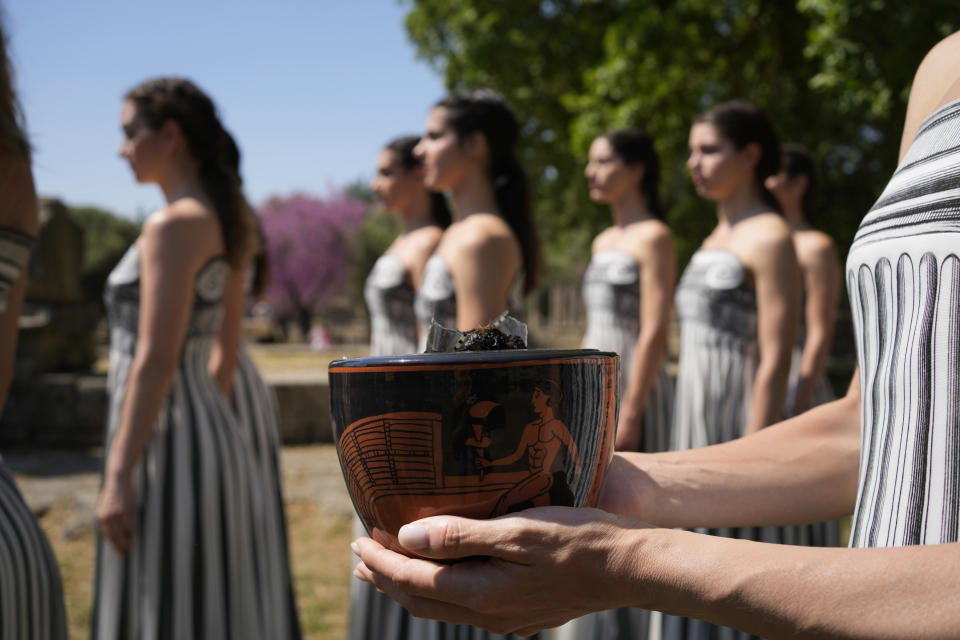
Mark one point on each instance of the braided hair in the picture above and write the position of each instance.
(171, 98)
(485, 111)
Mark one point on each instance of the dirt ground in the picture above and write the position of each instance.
(61, 488)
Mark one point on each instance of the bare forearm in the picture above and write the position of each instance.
(223, 364)
(647, 360)
(769, 393)
(780, 591)
(147, 390)
(803, 470)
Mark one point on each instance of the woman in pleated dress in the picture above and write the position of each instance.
(487, 258)
(255, 410)
(793, 187)
(738, 303)
(181, 507)
(389, 292)
(31, 593)
(886, 451)
(628, 297)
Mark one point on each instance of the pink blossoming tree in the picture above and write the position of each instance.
(309, 241)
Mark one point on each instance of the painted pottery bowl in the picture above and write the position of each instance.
(477, 434)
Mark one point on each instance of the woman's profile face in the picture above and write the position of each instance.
(717, 167)
(394, 185)
(141, 146)
(608, 178)
(444, 161)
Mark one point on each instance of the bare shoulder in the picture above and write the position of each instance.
(936, 82)
(814, 245)
(762, 229)
(478, 232)
(649, 233)
(762, 240)
(426, 238)
(182, 231)
(603, 240)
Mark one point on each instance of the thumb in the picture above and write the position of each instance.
(451, 537)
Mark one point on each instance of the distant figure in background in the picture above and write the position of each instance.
(738, 302)
(31, 594)
(628, 286)
(392, 284)
(255, 409)
(628, 297)
(794, 186)
(181, 510)
(487, 259)
(390, 291)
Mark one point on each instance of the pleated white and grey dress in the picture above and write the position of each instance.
(393, 331)
(374, 616)
(903, 280)
(196, 566)
(255, 409)
(611, 297)
(719, 354)
(31, 594)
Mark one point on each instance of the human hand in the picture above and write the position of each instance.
(519, 573)
(115, 512)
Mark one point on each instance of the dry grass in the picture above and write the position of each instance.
(319, 546)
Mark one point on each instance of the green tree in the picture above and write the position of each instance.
(832, 74)
(106, 238)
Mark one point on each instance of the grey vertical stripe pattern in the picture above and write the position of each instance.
(718, 362)
(31, 595)
(255, 409)
(15, 250)
(195, 569)
(903, 277)
(611, 296)
(389, 297)
(373, 615)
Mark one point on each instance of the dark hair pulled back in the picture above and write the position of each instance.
(797, 161)
(486, 111)
(744, 123)
(171, 98)
(403, 148)
(633, 146)
(12, 136)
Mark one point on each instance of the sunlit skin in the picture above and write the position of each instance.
(479, 248)
(541, 442)
(609, 179)
(637, 232)
(534, 570)
(761, 240)
(175, 243)
(401, 191)
(822, 281)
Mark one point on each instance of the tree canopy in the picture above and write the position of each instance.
(833, 75)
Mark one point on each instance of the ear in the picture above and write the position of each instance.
(171, 132)
(475, 145)
(802, 183)
(752, 152)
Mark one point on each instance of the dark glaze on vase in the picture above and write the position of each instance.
(476, 434)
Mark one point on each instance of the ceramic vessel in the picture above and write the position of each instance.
(477, 434)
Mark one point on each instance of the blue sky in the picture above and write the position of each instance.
(311, 89)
